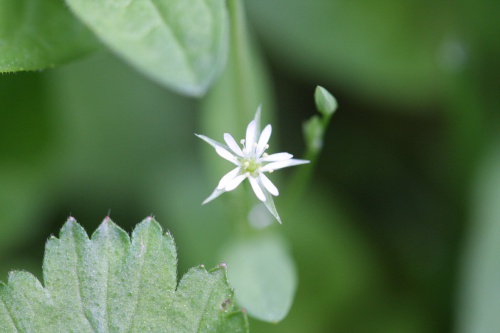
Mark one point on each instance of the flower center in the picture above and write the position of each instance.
(249, 165)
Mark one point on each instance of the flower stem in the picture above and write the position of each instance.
(233, 99)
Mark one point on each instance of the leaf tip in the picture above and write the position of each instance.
(106, 223)
(71, 219)
(69, 224)
(105, 226)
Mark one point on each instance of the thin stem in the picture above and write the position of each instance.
(241, 77)
(239, 57)
(303, 175)
(233, 100)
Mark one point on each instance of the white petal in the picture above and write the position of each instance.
(282, 164)
(213, 143)
(227, 155)
(214, 195)
(268, 185)
(227, 178)
(250, 137)
(233, 183)
(277, 157)
(232, 144)
(257, 189)
(263, 140)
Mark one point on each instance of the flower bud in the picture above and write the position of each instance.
(325, 102)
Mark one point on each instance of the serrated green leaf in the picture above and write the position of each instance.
(263, 275)
(179, 43)
(111, 283)
(24, 294)
(36, 34)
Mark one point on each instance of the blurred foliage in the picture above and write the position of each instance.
(180, 43)
(30, 41)
(379, 237)
(480, 293)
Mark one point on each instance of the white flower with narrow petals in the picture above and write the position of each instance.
(251, 162)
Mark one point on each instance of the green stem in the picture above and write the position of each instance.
(238, 67)
(239, 59)
(303, 175)
(232, 102)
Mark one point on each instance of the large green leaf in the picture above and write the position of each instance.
(264, 277)
(36, 34)
(179, 43)
(111, 283)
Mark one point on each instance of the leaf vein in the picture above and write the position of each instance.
(176, 37)
(78, 263)
(11, 316)
(138, 286)
(106, 314)
(206, 306)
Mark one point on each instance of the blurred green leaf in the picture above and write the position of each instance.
(480, 282)
(112, 282)
(179, 43)
(36, 34)
(263, 275)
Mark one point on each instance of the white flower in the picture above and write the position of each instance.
(251, 162)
